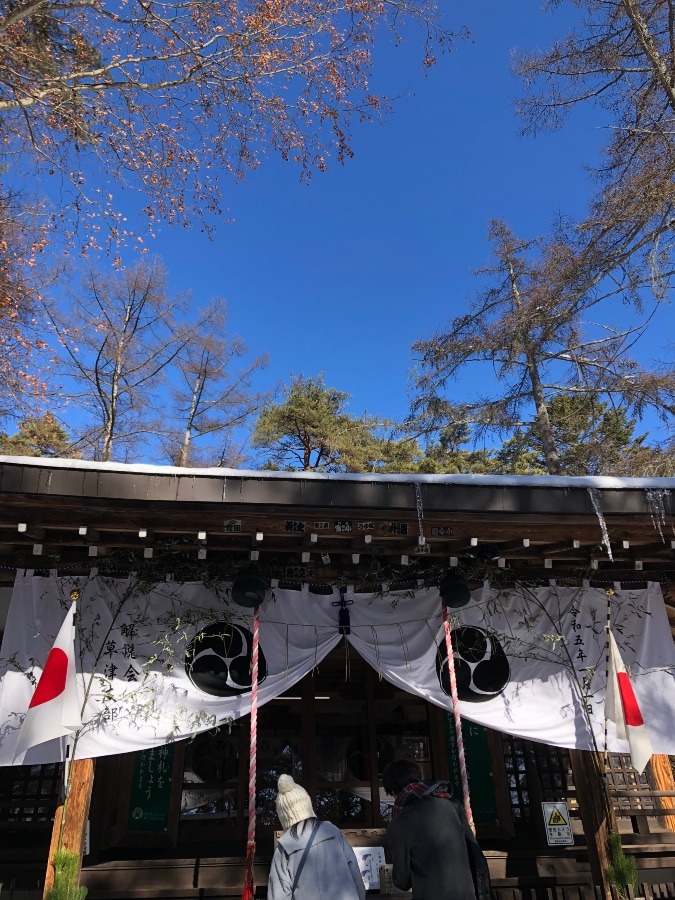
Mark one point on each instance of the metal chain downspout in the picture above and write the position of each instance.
(458, 719)
(609, 592)
(249, 885)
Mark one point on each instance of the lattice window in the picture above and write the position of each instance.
(631, 794)
(534, 773)
(29, 793)
(554, 771)
(622, 776)
(516, 777)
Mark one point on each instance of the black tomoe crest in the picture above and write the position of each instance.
(481, 666)
(218, 660)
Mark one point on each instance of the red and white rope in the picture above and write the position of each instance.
(249, 885)
(458, 719)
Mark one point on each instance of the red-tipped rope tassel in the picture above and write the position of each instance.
(249, 886)
(458, 719)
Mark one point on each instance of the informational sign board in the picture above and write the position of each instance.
(557, 823)
(370, 859)
(151, 789)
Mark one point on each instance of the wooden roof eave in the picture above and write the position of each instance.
(536, 527)
(553, 495)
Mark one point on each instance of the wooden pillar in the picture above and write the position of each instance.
(70, 821)
(308, 731)
(587, 769)
(370, 748)
(536, 796)
(662, 780)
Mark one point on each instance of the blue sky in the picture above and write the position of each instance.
(342, 274)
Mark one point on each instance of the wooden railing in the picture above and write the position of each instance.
(664, 891)
(650, 812)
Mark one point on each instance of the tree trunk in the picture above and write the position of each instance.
(542, 416)
(651, 50)
(184, 454)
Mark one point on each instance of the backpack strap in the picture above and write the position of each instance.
(304, 857)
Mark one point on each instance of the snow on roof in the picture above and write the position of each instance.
(600, 482)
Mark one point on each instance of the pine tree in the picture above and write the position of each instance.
(591, 438)
(38, 436)
(542, 326)
(311, 430)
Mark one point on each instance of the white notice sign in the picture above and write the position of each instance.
(557, 822)
(370, 859)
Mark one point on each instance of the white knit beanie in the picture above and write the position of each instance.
(293, 803)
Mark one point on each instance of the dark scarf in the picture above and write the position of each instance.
(417, 789)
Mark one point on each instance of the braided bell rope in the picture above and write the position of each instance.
(466, 797)
(249, 885)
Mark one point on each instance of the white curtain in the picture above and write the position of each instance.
(163, 661)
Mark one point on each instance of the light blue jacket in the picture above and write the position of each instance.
(330, 872)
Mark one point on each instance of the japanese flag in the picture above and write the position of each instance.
(621, 707)
(54, 710)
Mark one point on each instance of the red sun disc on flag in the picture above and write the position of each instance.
(53, 679)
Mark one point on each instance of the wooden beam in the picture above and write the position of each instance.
(34, 532)
(562, 548)
(70, 821)
(544, 531)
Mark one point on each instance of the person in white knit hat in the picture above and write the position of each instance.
(313, 861)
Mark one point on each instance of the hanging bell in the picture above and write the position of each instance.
(249, 588)
(454, 590)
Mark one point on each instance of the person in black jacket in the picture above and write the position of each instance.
(428, 836)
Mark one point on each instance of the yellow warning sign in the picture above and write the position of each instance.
(556, 817)
(557, 822)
